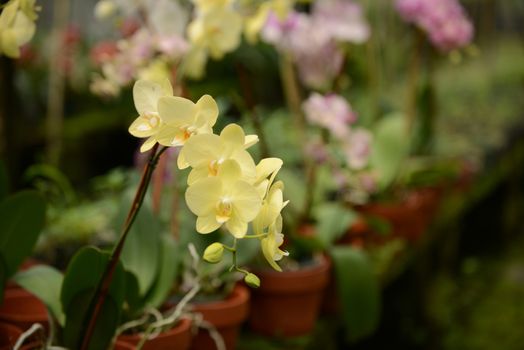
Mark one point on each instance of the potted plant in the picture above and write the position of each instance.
(231, 192)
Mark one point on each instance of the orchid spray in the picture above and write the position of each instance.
(226, 189)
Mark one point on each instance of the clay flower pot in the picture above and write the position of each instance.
(287, 303)
(178, 337)
(226, 316)
(22, 308)
(408, 216)
(9, 334)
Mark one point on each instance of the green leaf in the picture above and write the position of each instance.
(45, 283)
(78, 290)
(4, 181)
(21, 221)
(142, 248)
(358, 292)
(106, 324)
(390, 148)
(169, 266)
(333, 220)
(134, 302)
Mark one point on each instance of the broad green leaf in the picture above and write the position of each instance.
(142, 248)
(134, 302)
(4, 181)
(390, 147)
(78, 290)
(106, 324)
(169, 265)
(21, 220)
(45, 283)
(358, 292)
(333, 220)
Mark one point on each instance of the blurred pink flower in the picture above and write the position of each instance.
(444, 21)
(332, 112)
(317, 150)
(357, 148)
(342, 20)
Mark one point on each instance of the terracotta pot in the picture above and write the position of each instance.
(9, 334)
(287, 303)
(22, 308)
(226, 316)
(409, 217)
(178, 338)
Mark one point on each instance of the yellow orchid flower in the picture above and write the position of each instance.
(218, 31)
(183, 119)
(206, 154)
(272, 205)
(272, 242)
(146, 95)
(224, 199)
(16, 27)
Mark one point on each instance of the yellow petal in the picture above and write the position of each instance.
(176, 111)
(148, 144)
(146, 95)
(237, 227)
(203, 195)
(267, 166)
(23, 28)
(247, 165)
(181, 161)
(246, 201)
(142, 128)
(207, 110)
(200, 150)
(233, 135)
(267, 244)
(271, 208)
(8, 44)
(229, 172)
(250, 140)
(197, 174)
(206, 224)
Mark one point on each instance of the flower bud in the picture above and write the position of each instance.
(252, 280)
(213, 253)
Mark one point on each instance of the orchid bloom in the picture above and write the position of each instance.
(206, 153)
(17, 26)
(183, 118)
(224, 199)
(146, 95)
(271, 244)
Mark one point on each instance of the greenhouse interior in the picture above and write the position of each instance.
(261, 174)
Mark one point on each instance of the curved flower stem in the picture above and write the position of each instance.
(107, 277)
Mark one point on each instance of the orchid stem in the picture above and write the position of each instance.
(107, 277)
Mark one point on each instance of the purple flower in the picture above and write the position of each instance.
(444, 21)
(332, 112)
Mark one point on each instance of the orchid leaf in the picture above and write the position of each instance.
(45, 282)
(21, 220)
(78, 290)
(358, 292)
